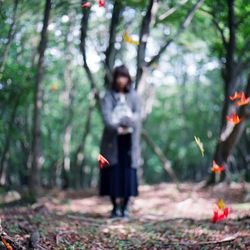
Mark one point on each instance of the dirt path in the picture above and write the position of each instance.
(161, 218)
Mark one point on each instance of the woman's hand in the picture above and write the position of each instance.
(126, 121)
(122, 130)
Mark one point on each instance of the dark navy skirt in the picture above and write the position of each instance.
(120, 180)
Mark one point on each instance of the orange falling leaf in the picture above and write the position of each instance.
(243, 100)
(86, 5)
(234, 119)
(102, 161)
(101, 3)
(216, 168)
(54, 87)
(237, 95)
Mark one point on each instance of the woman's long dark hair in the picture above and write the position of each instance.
(121, 71)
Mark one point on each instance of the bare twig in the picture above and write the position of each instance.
(216, 242)
(161, 156)
(96, 222)
(172, 10)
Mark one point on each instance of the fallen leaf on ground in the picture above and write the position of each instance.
(6, 244)
(219, 214)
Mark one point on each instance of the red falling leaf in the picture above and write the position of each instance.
(220, 214)
(237, 95)
(101, 3)
(102, 161)
(234, 119)
(216, 168)
(243, 100)
(226, 212)
(86, 5)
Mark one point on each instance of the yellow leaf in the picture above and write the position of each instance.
(221, 203)
(199, 144)
(128, 39)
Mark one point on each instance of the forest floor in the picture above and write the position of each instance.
(161, 218)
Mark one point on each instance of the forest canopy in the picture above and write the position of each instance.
(186, 58)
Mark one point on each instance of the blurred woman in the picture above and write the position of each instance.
(120, 142)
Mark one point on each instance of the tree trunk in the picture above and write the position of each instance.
(79, 156)
(111, 51)
(230, 138)
(228, 73)
(7, 142)
(229, 77)
(143, 38)
(160, 155)
(10, 37)
(83, 36)
(34, 181)
(68, 96)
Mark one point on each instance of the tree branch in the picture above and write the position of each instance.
(221, 31)
(110, 51)
(143, 38)
(182, 27)
(161, 156)
(84, 30)
(172, 10)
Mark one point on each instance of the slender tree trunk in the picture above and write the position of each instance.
(7, 142)
(10, 37)
(80, 152)
(160, 155)
(83, 36)
(228, 73)
(230, 138)
(229, 76)
(34, 181)
(111, 51)
(68, 102)
(147, 21)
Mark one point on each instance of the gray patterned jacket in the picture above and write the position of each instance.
(109, 145)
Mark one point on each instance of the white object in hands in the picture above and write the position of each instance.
(121, 110)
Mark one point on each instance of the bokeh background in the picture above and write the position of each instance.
(183, 91)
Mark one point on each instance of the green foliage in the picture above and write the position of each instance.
(189, 106)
